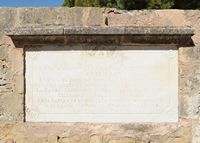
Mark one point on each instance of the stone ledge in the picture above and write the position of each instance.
(118, 30)
(26, 31)
(180, 36)
(129, 31)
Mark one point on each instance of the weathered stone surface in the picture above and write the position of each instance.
(189, 81)
(193, 20)
(60, 16)
(11, 93)
(75, 139)
(38, 17)
(125, 140)
(196, 132)
(9, 141)
(8, 19)
(11, 76)
(35, 31)
(145, 18)
(93, 17)
(97, 133)
(96, 139)
(167, 31)
(189, 55)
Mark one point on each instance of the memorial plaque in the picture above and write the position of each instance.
(126, 85)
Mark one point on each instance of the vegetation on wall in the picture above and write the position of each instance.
(136, 4)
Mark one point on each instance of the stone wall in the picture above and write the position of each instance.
(12, 125)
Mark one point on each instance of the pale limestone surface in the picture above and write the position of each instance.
(102, 86)
(187, 130)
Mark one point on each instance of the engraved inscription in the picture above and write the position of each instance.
(134, 85)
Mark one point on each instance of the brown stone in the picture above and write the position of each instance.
(96, 139)
(9, 141)
(126, 140)
(75, 139)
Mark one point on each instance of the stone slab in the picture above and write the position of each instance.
(97, 30)
(102, 86)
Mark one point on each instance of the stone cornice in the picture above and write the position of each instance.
(114, 30)
(180, 36)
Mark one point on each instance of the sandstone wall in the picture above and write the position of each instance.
(12, 125)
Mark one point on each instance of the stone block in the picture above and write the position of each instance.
(37, 17)
(94, 17)
(126, 140)
(146, 18)
(193, 20)
(96, 139)
(9, 141)
(8, 19)
(75, 139)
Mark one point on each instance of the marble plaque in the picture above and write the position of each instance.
(130, 85)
